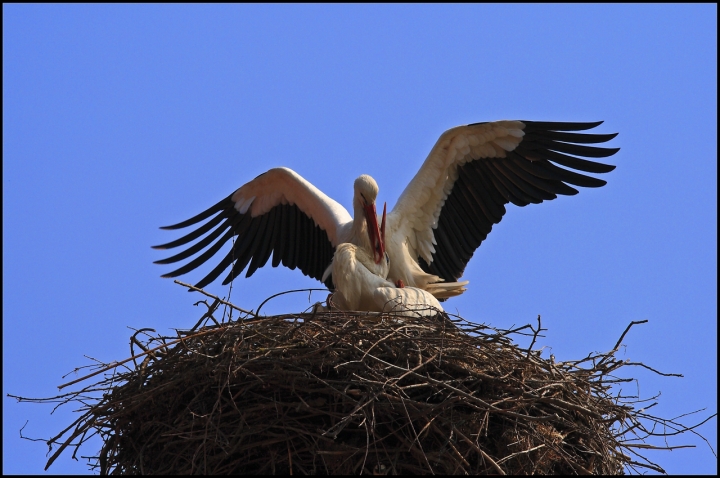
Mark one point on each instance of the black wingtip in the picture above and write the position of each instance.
(598, 183)
(563, 126)
(168, 260)
(221, 205)
(203, 283)
(181, 225)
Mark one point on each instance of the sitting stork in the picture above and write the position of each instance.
(442, 216)
(359, 287)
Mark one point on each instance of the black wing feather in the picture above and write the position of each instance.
(220, 206)
(536, 194)
(243, 251)
(544, 188)
(491, 201)
(515, 195)
(583, 138)
(541, 169)
(544, 126)
(288, 259)
(282, 237)
(475, 224)
(195, 263)
(259, 246)
(285, 232)
(195, 248)
(534, 172)
(193, 235)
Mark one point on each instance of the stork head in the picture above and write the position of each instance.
(366, 191)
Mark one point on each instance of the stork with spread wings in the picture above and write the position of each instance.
(441, 218)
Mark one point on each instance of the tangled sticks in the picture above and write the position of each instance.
(338, 392)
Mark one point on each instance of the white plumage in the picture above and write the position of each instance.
(357, 288)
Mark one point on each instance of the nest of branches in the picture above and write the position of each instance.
(342, 393)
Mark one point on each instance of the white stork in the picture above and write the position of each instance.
(359, 286)
(441, 217)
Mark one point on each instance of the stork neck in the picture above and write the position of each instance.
(360, 235)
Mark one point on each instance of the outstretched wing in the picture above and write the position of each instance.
(278, 212)
(460, 191)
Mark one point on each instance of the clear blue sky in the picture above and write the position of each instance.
(118, 119)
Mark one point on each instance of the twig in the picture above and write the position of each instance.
(480, 450)
(117, 364)
(232, 306)
(617, 345)
(283, 293)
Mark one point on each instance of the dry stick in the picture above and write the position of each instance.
(67, 443)
(645, 465)
(133, 339)
(535, 336)
(672, 424)
(417, 438)
(520, 453)
(653, 447)
(208, 314)
(216, 298)
(413, 370)
(378, 342)
(467, 395)
(617, 345)
(459, 455)
(278, 294)
(117, 364)
(480, 450)
(367, 439)
(571, 406)
(448, 442)
(656, 371)
(578, 468)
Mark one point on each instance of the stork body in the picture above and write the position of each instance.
(359, 288)
(440, 219)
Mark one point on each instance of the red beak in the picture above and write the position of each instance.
(377, 235)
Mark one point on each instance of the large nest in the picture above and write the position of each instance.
(338, 392)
